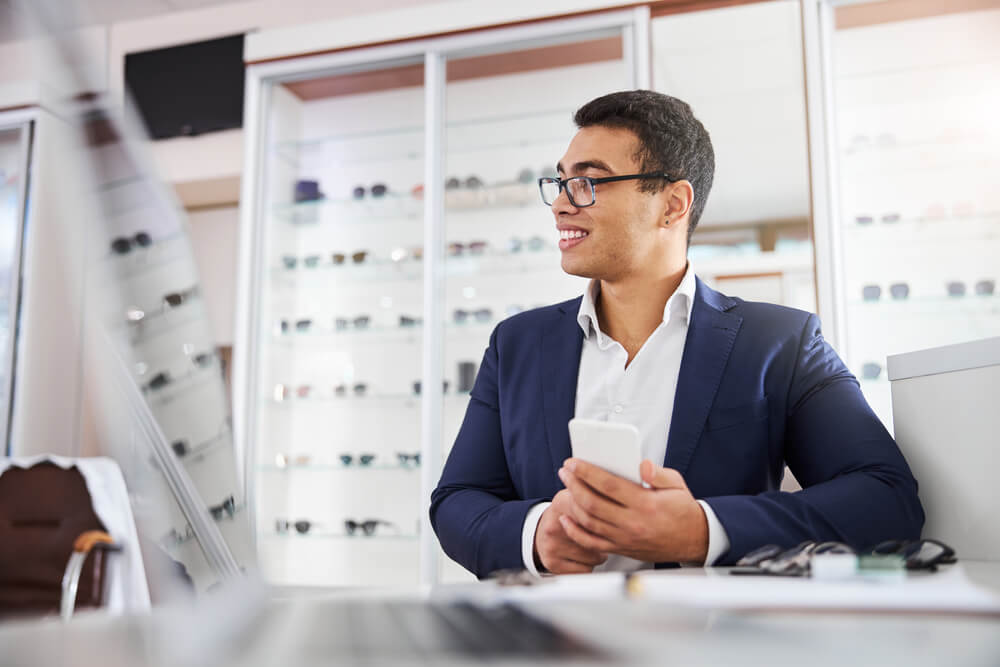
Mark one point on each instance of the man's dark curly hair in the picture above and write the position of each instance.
(671, 139)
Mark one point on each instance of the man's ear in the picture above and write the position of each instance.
(680, 198)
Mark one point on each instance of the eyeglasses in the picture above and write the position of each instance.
(175, 299)
(359, 322)
(363, 459)
(226, 508)
(359, 389)
(417, 387)
(356, 257)
(124, 245)
(535, 243)
(981, 288)
(285, 460)
(173, 539)
(580, 189)
(869, 219)
(367, 526)
(378, 190)
(283, 392)
(158, 381)
(923, 554)
(472, 183)
(405, 459)
(302, 526)
(408, 321)
(474, 248)
(482, 315)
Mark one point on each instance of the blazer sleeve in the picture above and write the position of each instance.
(476, 510)
(857, 488)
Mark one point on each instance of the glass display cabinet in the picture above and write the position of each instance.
(909, 216)
(391, 219)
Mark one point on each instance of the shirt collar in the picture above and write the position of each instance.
(680, 302)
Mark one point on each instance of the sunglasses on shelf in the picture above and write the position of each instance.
(226, 508)
(158, 381)
(363, 459)
(302, 526)
(406, 458)
(359, 322)
(408, 321)
(356, 257)
(359, 389)
(125, 244)
(417, 387)
(378, 190)
(456, 249)
(461, 315)
(471, 183)
(285, 460)
(367, 527)
(534, 244)
(175, 299)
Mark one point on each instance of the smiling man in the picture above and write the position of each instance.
(724, 392)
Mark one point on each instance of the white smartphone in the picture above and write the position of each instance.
(614, 447)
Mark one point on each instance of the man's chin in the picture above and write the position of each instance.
(578, 269)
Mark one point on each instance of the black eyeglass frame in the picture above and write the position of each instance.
(561, 182)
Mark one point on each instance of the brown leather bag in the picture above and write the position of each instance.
(43, 509)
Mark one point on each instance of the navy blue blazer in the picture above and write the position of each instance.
(758, 388)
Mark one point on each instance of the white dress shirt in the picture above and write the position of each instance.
(641, 394)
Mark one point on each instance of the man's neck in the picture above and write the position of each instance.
(630, 310)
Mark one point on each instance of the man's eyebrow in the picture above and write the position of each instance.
(584, 166)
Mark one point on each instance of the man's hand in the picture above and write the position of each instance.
(609, 514)
(556, 552)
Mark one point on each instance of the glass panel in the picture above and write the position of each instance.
(12, 175)
(740, 69)
(509, 120)
(918, 151)
(337, 431)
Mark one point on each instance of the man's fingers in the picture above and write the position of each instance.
(659, 477)
(613, 487)
(589, 500)
(584, 538)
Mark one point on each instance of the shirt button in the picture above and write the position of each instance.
(618, 409)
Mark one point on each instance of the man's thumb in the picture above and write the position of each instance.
(659, 477)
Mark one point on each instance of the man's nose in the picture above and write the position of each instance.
(562, 205)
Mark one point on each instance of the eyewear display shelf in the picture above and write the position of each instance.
(918, 212)
(394, 222)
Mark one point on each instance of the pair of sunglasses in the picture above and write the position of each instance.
(417, 387)
(378, 190)
(534, 244)
(226, 508)
(367, 527)
(401, 254)
(359, 322)
(407, 458)
(409, 321)
(981, 288)
(471, 183)
(924, 554)
(461, 316)
(302, 526)
(125, 244)
(363, 459)
(359, 389)
(897, 291)
(172, 539)
(283, 392)
(456, 249)
(869, 219)
(527, 176)
(157, 382)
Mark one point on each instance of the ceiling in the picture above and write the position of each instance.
(92, 12)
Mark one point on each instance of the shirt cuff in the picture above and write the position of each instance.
(718, 539)
(528, 536)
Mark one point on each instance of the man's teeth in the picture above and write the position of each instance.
(567, 234)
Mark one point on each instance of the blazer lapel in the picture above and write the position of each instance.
(562, 342)
(711, 334)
